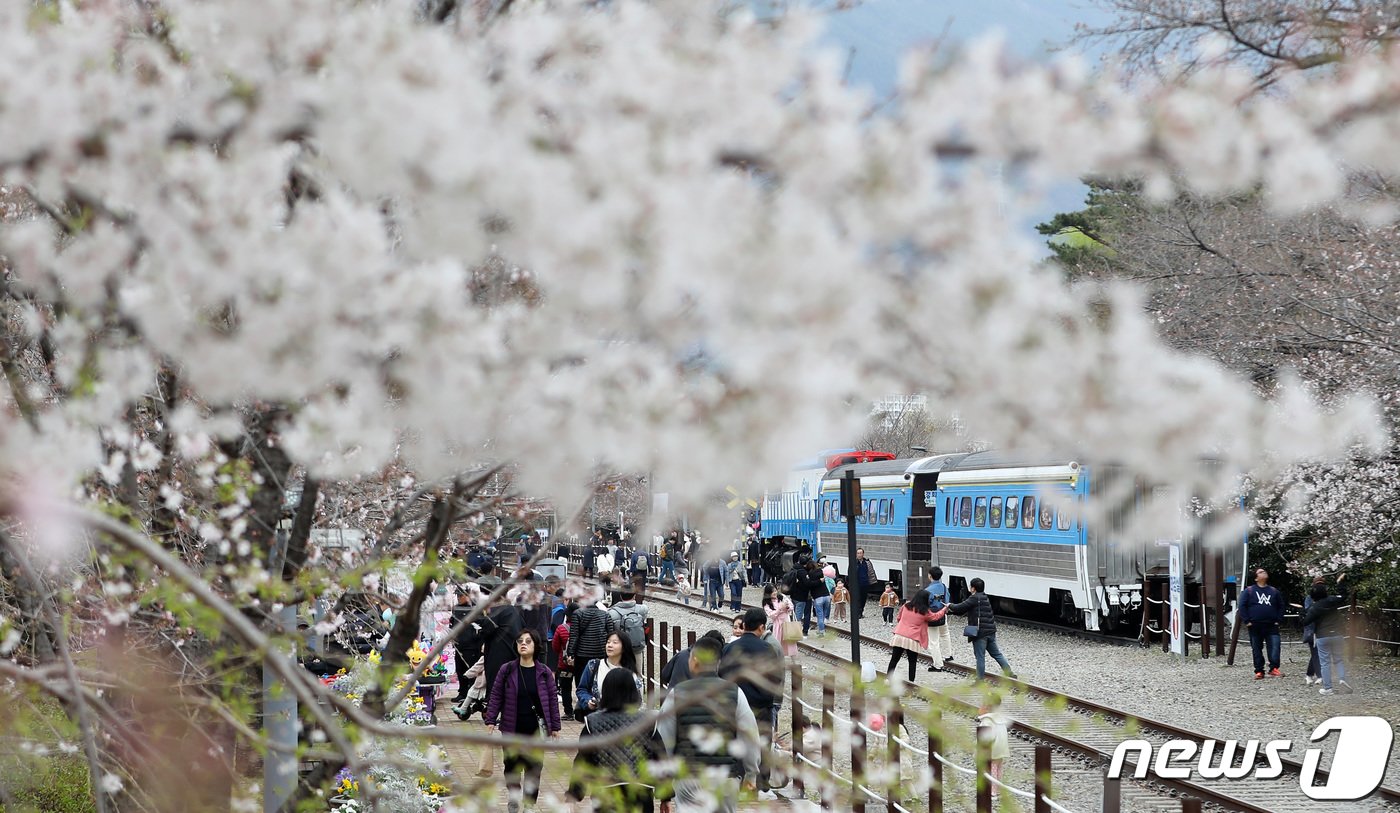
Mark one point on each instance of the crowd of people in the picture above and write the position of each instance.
(1261, 610)
(521, 680)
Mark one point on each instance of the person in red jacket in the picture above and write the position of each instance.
(525, 702)
(559, 644)
(911, 631)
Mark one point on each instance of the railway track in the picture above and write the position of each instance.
(1093, 731)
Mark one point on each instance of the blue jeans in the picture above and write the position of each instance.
(1258, 636)
(668, 569)
(714, 593)
(736, 595)
(822, 607)
(1329, 657)
(800, 613)
(983, 645)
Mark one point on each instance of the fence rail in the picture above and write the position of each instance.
(664, 641)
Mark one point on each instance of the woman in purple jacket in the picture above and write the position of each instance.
(525, 701)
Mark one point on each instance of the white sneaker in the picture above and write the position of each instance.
(1308, 679)
(1324, 691)
(1345, 687)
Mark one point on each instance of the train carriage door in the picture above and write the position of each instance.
(923, 511)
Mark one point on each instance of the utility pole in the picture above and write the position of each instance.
(850, 508)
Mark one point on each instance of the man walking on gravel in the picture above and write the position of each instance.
(981, 628)
(862, 579)
(734, 573)
(1261, 610)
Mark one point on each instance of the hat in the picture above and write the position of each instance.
(734, 555)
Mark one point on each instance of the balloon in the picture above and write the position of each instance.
(876, 723)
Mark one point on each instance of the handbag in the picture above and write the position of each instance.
(971, 631)
(792, 632)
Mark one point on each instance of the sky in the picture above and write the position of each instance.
(880, 31)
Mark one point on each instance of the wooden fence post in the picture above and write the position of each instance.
(675, 640)
(893, 721)
(1190, 804)
(828, 736)
(1166, 622)
(1112, 793)
(935, 748)
(857, 746)
(798, 728)
(1042, 778)
(1217, 587)
(982, 762)
(690, 638)
(650, 664)
(661, 655)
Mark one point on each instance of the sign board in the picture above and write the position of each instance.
(930, 499)
(660, 504)
(351, 539)
(1176, 597)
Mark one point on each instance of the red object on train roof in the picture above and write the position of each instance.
(861, 456)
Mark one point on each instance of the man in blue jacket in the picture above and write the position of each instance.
(1261, 610)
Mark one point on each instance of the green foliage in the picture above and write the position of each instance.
(52, 782)
(1085, 238)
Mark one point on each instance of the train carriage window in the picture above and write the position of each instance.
(994, 513)
(948, 511)
(979, 512)
(1047, 515)
(1028, 512)
(965, 512)
(889, 512)
(1064, 520)
(1012, 505)
(826, 511)
(885, 506)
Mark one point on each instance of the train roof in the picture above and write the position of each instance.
(996, 459)
(956, 461)
(874, 469)
(936, 463)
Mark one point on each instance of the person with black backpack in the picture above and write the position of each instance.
(630, 619)
(640, 567)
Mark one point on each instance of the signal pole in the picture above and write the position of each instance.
(850, 507)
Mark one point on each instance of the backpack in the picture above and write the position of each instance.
(938, 596)
(639, 562)
(666, 551)
(632, 627)
(556, 619)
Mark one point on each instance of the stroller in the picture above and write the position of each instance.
(475, 700)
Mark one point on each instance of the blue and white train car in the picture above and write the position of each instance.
(1016, 522)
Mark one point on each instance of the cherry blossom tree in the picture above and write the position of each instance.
(252, 257)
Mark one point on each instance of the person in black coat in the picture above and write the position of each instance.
(982, 623)
(819, 599)
(502, 625)
(1329, 632)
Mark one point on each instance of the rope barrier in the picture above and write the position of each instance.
(868, 730)
(955, 766)
(872, 794)
(1025, 794)
(808, 706)
(823, 769)
(916, 749)
(1054, 805)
